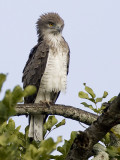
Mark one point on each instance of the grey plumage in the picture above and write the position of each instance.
(50, 43)
(45, 19)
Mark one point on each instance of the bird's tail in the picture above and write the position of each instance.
(36, 127)
(36, 121)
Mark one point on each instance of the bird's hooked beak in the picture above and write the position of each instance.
(59, 29)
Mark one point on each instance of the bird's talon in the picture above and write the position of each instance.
(48, 104)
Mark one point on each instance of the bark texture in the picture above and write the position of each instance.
(84, 142)
(62, 110)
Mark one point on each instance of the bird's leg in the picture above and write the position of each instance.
(48, 99)
(42, 102)
(47, 103)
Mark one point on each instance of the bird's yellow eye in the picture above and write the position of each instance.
(51, 24)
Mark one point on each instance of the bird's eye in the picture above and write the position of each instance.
(51, 24)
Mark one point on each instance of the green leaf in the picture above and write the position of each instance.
(67, 144)
(31, 153)
(7, 105)
(47, 146)
(26, 132)
(90, 91)
(29, 90)
(103, 107)
(17, 95)
(86, 105)
(2, 80)
(92, 100)
(73, 136)
(3, 113)
(59, 139)
(65, 148)
(112, 99)
(98, 100)
(107, 138)
(2, 140)
(113, 151)
(11, 125)
(7, 100)
(96, 110)
(105, 94)
(83, 95)
(91, 107)
(60, 123)
(50, 123)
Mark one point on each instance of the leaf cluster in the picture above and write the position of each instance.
(17, 146)
(11, 98)
(90, 96)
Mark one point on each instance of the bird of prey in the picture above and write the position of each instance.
(47, 68)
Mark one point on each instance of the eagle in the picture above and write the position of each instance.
(47, 68)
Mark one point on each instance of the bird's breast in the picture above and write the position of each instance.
(55, 75)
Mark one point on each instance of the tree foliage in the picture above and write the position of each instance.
(16, 146)
(92, 104)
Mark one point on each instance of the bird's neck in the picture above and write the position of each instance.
(53, 39)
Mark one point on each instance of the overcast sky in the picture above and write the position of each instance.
(92, 30)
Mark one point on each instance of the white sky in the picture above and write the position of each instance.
(92, 30)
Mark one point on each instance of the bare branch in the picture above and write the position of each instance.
(84, 142)
(62, 110)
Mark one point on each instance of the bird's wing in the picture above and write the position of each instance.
(68, 55)
(68, 61)
(35, 68)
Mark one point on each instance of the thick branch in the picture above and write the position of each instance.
(84, 142)
(62, 110)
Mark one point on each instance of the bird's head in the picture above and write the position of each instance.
(50, 23)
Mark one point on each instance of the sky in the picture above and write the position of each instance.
(92, 30)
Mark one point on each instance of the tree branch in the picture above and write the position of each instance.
(62, 110)
(84, 142)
